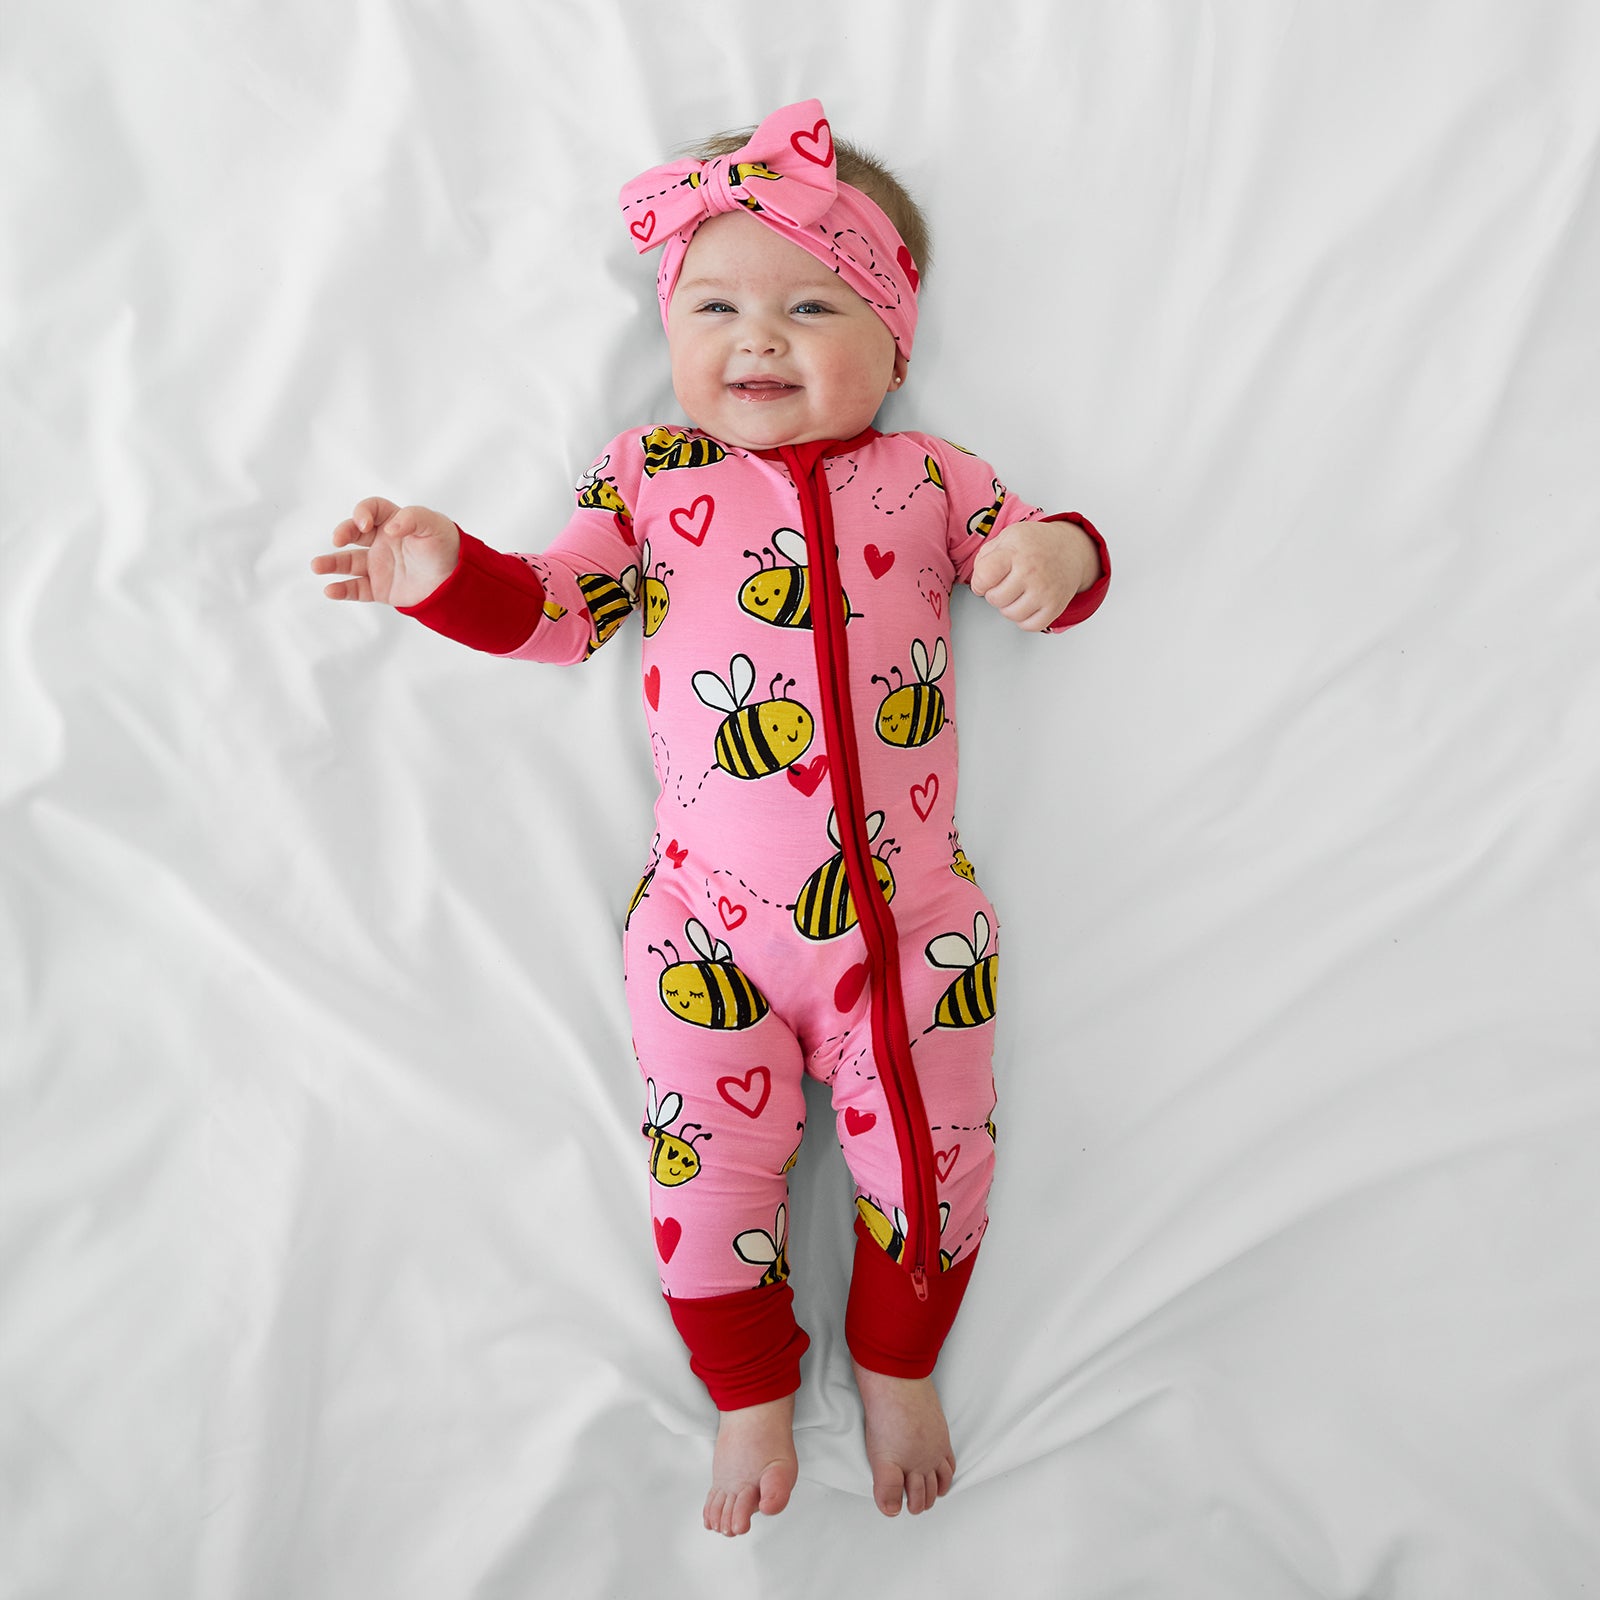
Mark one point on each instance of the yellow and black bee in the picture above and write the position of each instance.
(913, 713)
(638, 894)
(759, 739)
(825, 907)
(709, 992)
(968, 1001)
(737, 174)
(890, 1237)
(596, 493)
(673, 1160)
(608, 601)
(935, 473)
(665, 448)
(554, 610)
(960, 865)
(656, 598)
(780, 594)
(982, 522)
(770, 1250)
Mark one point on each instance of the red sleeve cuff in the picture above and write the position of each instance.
(1083, 606)
(491, 601)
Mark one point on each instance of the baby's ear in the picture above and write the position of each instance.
(899, 373)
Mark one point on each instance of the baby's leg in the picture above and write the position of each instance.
(723, 1115)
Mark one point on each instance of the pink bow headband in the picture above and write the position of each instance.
(785, 176)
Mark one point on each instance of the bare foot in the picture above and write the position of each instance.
(908, 1441)
(754, 1468)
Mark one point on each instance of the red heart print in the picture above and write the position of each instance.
(944, 1162)
(819, 135)
(848, 990)
(652, 688)
(936, 600)
(749, 1093)
(668, 1232)
(859, 1121)
(924, 794)
(806, 775)
(676, 854)
(878, 562)
(909, 267)
(731, 914)
(644, 227)
(691, 522)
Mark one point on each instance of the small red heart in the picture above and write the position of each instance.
(909, 267)
(859, 1121)
(806, 775)
(731, 914)
(944, 1162)
(820, 133)
(691, 522)
(749, 1093)
(924, 794)
(676, 855)
(936, 600)
(849, 987)
(652, 688)
(668, 1232)
(644, 227)
(878, 562)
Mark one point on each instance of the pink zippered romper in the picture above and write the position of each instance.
(806, 906)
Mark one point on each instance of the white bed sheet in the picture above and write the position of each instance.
(325, 1264)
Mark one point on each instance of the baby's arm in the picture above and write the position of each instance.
(1032, 570)
(401, 554)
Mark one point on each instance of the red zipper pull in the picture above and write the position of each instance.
(919, 1282)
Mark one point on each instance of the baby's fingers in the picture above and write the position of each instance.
(371, 514)
(352, 562)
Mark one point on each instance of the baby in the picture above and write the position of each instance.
(807, 906)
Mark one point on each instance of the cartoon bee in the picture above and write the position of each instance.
(890, 1237)
(656, 598)
(782, 595)
(935, 476)
(825, 908)
(761, 1248)
(736, 177)
(968, 1001)
(982, 522)
(754, 741)
(959, 863)
(665, 448)
(608, 601)
(710, 992)
(639, 893)
(788, 1165)
(913, 713)
(596, 493)
(554, 610)
(673, 1160)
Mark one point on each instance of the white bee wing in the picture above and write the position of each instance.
(833, 828)
(712, 691)
(951, 950)
(980, 936)
(721, 952)
(919, 659)
(644, 557)
(699, 938)
(650, 1101)
(741, 678)
(944, 1214)
(791, 542)
(900, 1222)
(780, 1227)
(629, 579)
(874, 826)
(756, 1247)
(668, 1114)
(941, 658)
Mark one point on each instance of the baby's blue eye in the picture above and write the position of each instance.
(715, 305)
(811, 306)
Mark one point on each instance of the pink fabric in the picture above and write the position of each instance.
(732, 999)
(786, 176)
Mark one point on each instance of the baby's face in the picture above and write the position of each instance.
(768, 346)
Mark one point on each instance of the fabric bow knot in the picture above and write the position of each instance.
(785, 171)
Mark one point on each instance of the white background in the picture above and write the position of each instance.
(326, 1268)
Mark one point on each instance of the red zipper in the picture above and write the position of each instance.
(890, 1036)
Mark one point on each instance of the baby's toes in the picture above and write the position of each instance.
(741, 1508)
(921, 1491)
(888, 1488)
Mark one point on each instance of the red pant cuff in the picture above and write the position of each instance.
(744, 1347)
(887, 1328)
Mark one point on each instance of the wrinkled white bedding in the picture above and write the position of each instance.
(325, 1263)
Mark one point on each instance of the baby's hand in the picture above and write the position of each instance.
(1030, 571)
(402, 554)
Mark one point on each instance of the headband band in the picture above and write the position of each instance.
(787, 177)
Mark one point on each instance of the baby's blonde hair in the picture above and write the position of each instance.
(861, 170)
